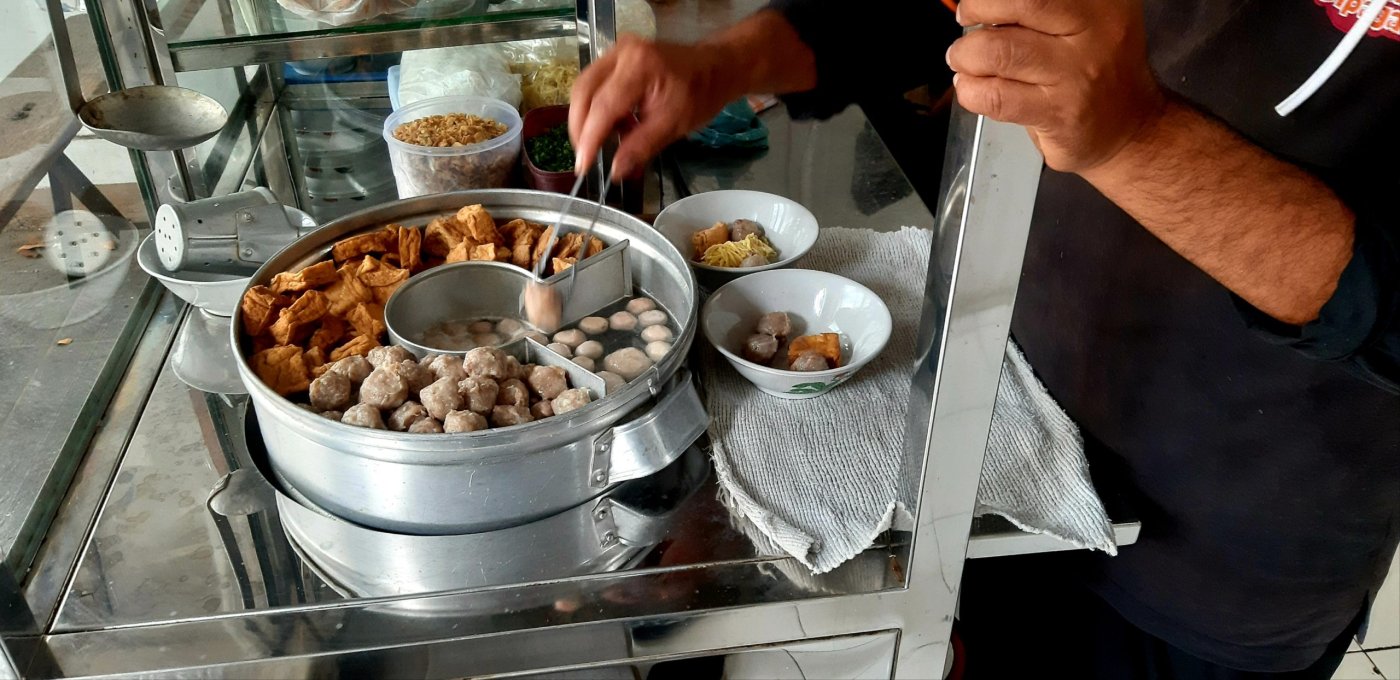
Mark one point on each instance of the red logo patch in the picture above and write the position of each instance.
(1343, 14)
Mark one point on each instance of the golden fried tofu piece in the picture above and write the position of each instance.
(314, 276)
(541, 244)
(331, 331)
(410, 248)
(702, 240)
(479, 224)
(314, 358)
(562, 263)
(826, 344)
(348, 291)
(595, 246)
(367, 319)
(442, 235)
(381, 279)
(490, 252)
(259, 309)
(569, 245)
(358, 345)
(282, 368)
(295, 322)
(382, 241)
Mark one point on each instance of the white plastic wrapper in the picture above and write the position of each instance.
(345, 12)
(475, 70)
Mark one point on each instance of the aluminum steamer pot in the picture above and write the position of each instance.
(438, 484)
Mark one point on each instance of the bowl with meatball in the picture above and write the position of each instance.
(731, 233)
(796, 333)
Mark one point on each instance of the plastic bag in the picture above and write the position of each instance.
(476, 70)
(343, 12)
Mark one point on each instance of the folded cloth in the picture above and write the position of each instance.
(817, 477)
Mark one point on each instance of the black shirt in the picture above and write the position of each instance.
(1265, 458)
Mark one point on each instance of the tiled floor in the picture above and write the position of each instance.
(1379, 656)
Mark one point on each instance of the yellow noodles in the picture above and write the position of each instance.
(731, 253)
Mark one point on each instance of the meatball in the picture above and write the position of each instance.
(354, 367)
(541, 409)
(586, 362)
(549, 381)
(363, 415)
(479, 394)
(641, 304)
(486, 362)
(622, 321)
(809, 361)
(572, 337)
(425, 425)
(464, 421)
(441, 397)
(760, 348)
(753, 260)
(660, 333)
(513, 392)
(591, 349)
(514, 369)
(593, 325)
(612, 381)
(629, 363)
(656, 351)
(776, 324)
(331, 391)
(509, 328)
(332, 415)
(447, 366)
(383, 389)
(570, 400)
(654, 317)
(561, 349)
(392, 354)
(538, 337)
(415, 374)
(526, 370)
(406, 415)
(481, 326)
(505, 416)
(487, 339)
(740, 229)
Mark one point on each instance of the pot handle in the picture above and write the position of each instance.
(656, 439)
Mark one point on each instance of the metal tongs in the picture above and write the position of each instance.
(544, 306)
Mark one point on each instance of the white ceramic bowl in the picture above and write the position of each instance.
(215, 293)
(790, 227)
(817, 302)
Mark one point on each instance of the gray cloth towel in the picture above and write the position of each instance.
(816, 477)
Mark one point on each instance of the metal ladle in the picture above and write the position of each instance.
(155, 117)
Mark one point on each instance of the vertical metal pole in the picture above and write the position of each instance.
(597, 33)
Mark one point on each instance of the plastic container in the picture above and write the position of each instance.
(422, 170)
(537, 122)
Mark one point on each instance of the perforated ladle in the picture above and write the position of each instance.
(155, 117)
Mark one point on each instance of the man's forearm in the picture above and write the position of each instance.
(1275, 235)
(763, 54)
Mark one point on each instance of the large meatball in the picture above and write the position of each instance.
(541, 409)
(425, 425)
(776, 324)
(441, 397)
(486, 362)
(741, 228)
(479, 393)
(406, 415)
(393, 354)
(505, 416)
(331, 391)
(514, 393)
(570, 400)
(447, 366)
(629, 363)
(760, 348)
(416, 375)
(384, 388)
(809, 361)
(549, 381)
(363, 415)
(354, 367)
(464, 421)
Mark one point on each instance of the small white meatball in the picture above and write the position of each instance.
(406, 415)
(655, 317)
(509, 328)
(587, 363)
(392, 354)
(447, 366)
(384, 389)
(513, 393)
(363, 415)
(486, 362)
(570, 400)
(354, 367)
(754, 260)
(629, 363)
(426, 425)
(487, 339)
(641, 304)
(661, 333)
(656, 351)
(593, 325)
(464, 421)
(622, 321)
(612, 381)
(479, 394)
(591, 349)
(572, 337)
(548, 381)
(481, 326)
(416, 374)
(441, 397)
(538, 337)
(809, 361)
(331, 391)
(561, 349)
(505, 416)
(541, 409)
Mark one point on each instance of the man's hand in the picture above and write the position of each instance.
(1073, 72)
(675, 89)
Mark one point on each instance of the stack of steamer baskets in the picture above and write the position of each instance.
(376, 509)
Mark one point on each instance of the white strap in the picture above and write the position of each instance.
(1334, 61)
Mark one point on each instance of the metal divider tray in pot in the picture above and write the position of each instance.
(448, 484)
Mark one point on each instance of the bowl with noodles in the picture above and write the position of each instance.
(734, 232)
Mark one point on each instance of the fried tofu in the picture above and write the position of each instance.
(562, 263)
(569, 245)
(259, 309)
(410, 248)
(358, 345)
(490, 252)
(314, 276)
(541, 244)
(381, 279)
(367, 319)
(442, 235)
(479, 224)
(827, 345)
(295, 322)
(704, 239)
(375, 242)
(595, 246)
(349, 291)
(331, 331)
(282, 368)
(313, 358)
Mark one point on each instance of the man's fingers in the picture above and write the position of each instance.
(1004, 100)
(1011, 52)
(1056, 17)
(585, 87)
(612, 103)
(641, 144)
